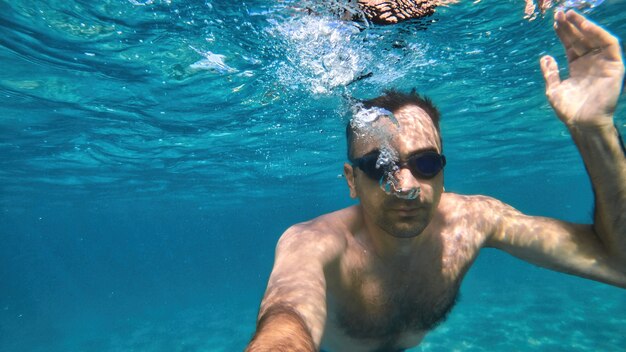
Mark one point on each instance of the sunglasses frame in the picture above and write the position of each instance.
(362, 161)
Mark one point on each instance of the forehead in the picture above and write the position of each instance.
(415, 131)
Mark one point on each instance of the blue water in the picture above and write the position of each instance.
(152, 152)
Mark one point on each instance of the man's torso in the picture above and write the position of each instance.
(386, 306)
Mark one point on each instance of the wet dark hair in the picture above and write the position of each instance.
(394, 100)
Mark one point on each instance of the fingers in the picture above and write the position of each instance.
(595, 36)
(550, 71)
(570, 36)
(581, 36)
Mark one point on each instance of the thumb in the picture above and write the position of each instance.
(550, 71)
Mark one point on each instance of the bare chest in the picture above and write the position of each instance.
(373, 301)
(379, 307)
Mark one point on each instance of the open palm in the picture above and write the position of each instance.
(589, 96)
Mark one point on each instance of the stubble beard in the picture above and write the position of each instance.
(402, 229)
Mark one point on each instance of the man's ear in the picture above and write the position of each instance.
(348, 172)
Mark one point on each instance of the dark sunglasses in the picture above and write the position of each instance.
(425, 165)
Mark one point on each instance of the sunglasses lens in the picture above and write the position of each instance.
(428, 164)
(368, 165)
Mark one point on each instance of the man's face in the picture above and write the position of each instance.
(403, 218)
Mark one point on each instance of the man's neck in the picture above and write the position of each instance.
(387, 247)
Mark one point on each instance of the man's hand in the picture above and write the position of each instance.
(589, 96)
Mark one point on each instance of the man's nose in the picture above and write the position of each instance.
(406, 180)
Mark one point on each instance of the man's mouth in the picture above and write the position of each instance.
(406, 211)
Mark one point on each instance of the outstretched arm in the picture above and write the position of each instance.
(293, 311)
(585, 102)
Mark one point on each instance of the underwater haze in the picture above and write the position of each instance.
(153, 151)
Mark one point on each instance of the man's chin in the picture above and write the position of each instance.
(406, 234)
(406, 231)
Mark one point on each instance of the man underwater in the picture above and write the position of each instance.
(378, 276)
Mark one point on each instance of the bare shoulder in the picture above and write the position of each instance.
(482, 213)
(324, 236)
(469, 204)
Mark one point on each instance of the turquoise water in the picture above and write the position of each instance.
(152, 152)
